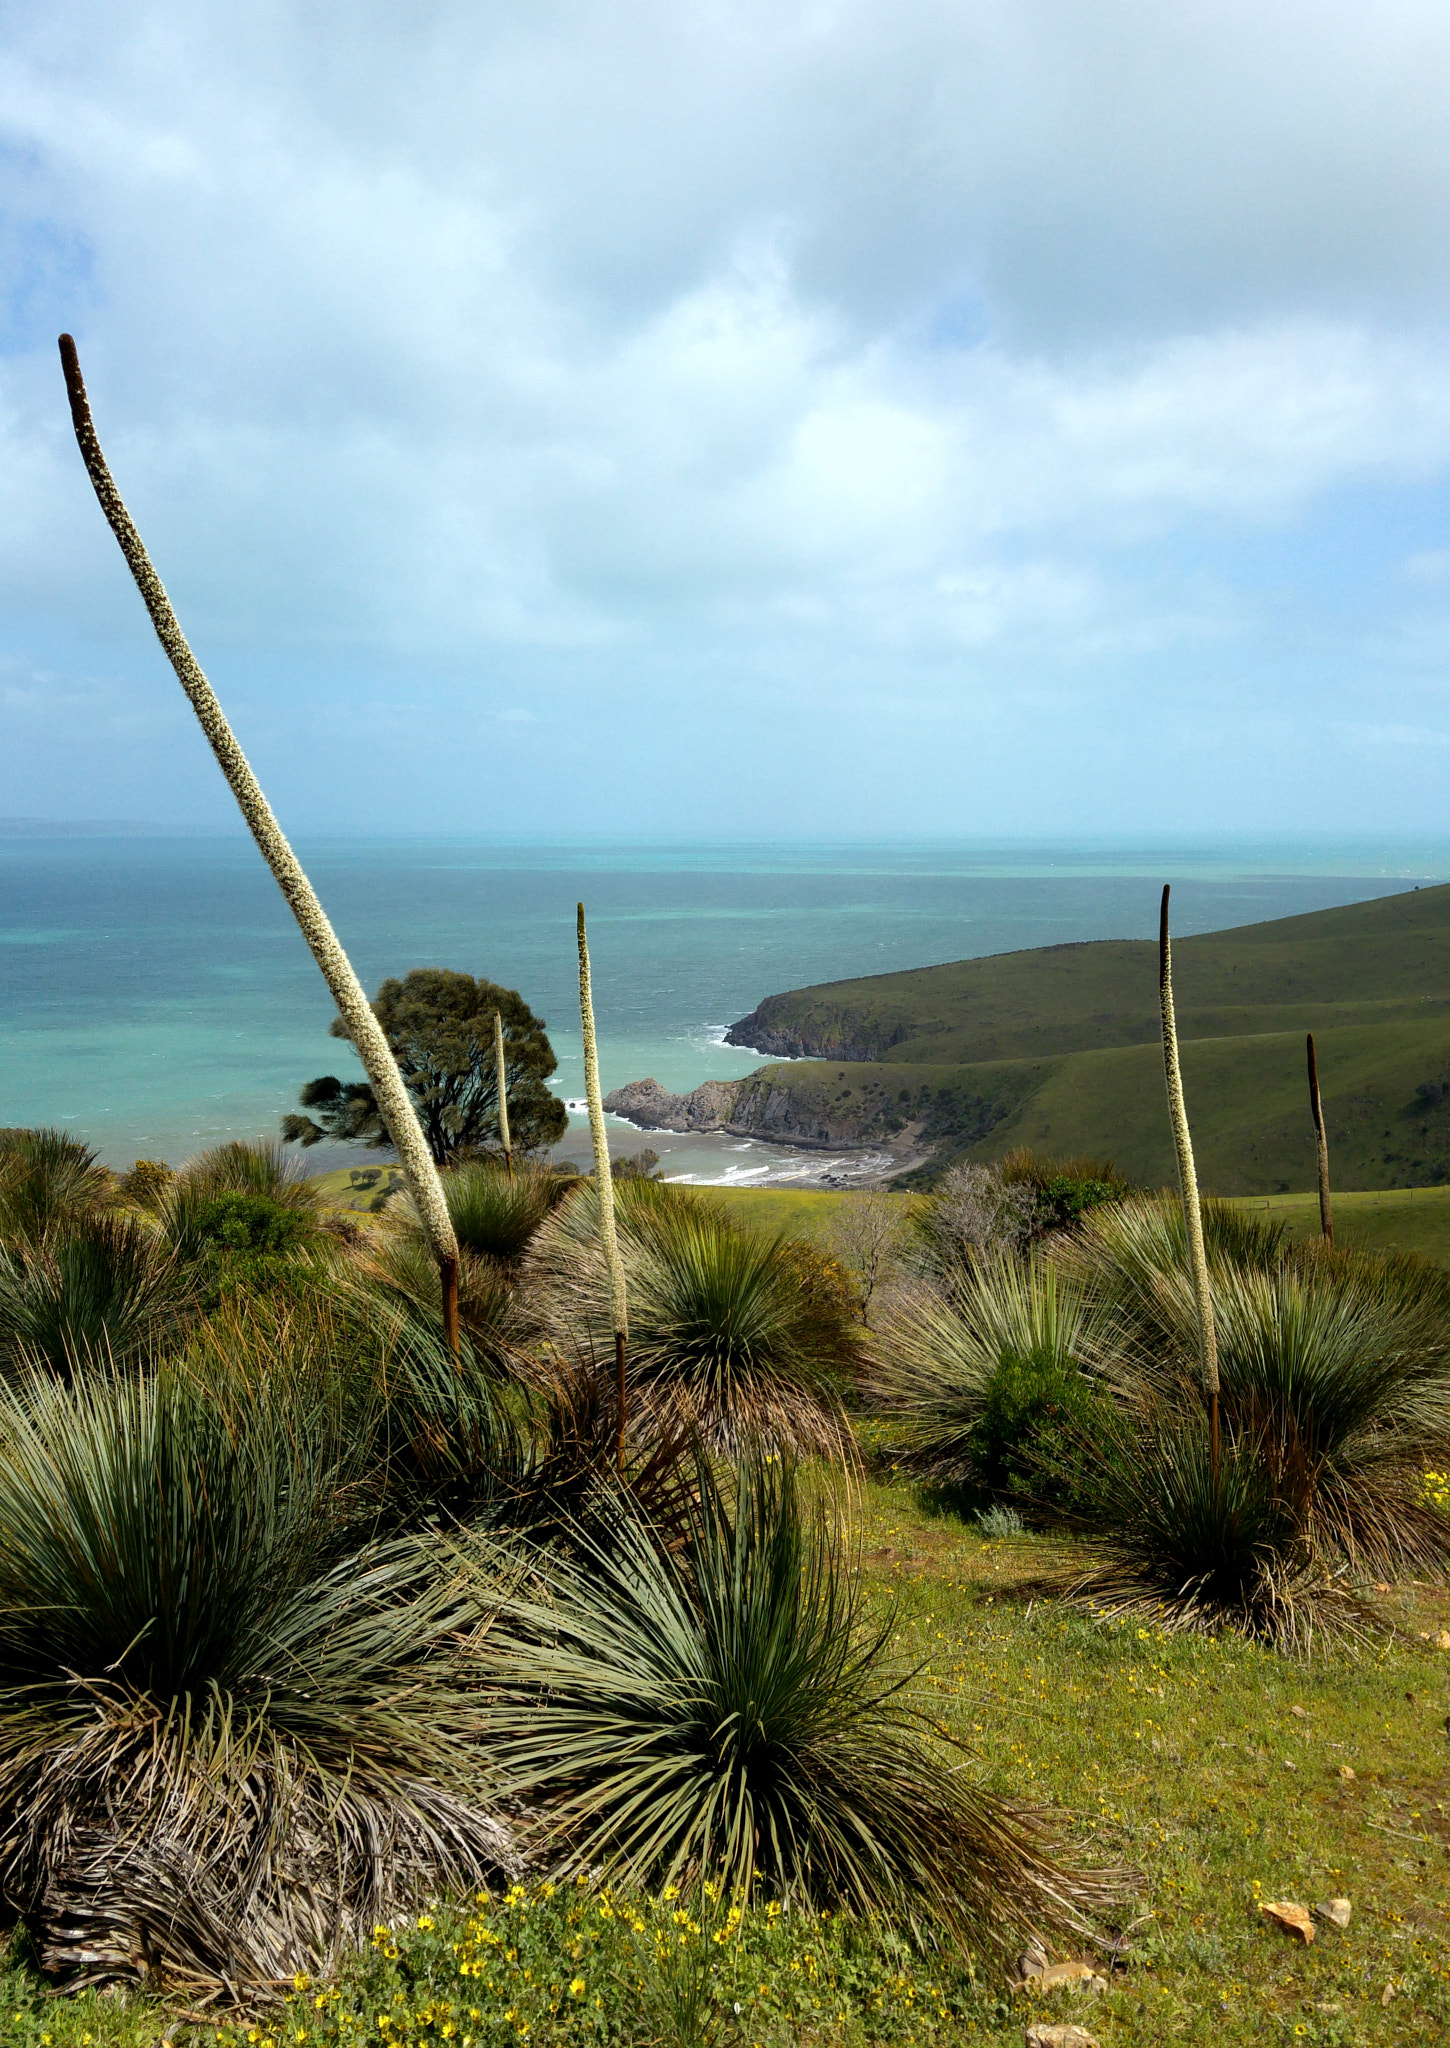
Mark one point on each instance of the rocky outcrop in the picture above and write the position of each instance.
(779, 1030)
(706, 1108)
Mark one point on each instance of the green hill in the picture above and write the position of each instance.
(1058, 1049)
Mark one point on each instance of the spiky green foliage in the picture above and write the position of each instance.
(99, 1289)
(244, 1216)
(48, 1180)
(1133, 1261)
(1334, 1395)
(490, 1311)
(225, 1748)
(731, 1337)
(987, 1377)
(496, 1215)
(718, 1707)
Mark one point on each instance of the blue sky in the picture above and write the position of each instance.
(774, 418)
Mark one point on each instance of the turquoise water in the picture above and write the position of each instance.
(155, 995)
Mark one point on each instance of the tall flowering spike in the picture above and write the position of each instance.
(604, 1180)
(502, 1072)
(1187, 1177)
(347, 992)
(1321, 1138)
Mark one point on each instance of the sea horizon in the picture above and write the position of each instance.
(157, 998)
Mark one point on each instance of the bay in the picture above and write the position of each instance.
(155, 995)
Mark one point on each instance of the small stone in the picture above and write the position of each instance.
(1291, 1918)
(1055, 1976)
(1442, 1641)
(1335, 1911)
(1346, 1771)
(1064, 2035)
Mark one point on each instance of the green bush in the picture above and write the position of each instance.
(1039, 1432)
(988, 1381)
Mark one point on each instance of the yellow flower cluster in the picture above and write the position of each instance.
(1435, 1491)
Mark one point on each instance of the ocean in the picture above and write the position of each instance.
(156, 997)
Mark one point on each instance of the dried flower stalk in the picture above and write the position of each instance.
(604, 1181)
(347, 992)
(1321, 1136)
(1187, 1180)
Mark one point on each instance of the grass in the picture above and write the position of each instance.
(1414, 1220)
(1172, 1755)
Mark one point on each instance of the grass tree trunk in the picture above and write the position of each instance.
(1321, 1139)
(1188, 1181)
(501, 1067)
(347, 991)
(604, 1179)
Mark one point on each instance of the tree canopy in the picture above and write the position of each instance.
(440, 1026)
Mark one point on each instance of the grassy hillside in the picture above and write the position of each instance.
(1058, 1049)
(1365, 963)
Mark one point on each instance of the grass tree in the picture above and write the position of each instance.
(501, 1065)
(604, 1179)
(228, 1745)
(719, 1705)
(731, 1340)
(1187, 1180)
(353, 1006)
(1321, 1142)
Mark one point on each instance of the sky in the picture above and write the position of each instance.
(782, 418)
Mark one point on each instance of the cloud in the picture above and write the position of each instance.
(538, 370)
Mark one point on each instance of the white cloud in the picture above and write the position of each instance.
(574, 350)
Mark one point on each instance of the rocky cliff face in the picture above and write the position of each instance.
(778, 1029)
(767, 1104)
(706, 1108)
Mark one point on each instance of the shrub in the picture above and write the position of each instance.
(496, 1216)
(717, 1706)
(146, 1183)
(973, 1213)
(97, 1288)
(988, 1379)
(731, 1335)
(1063, 1190)
(997, 1521)
(225, 1750)
(1334, 1376)
(47, 1180)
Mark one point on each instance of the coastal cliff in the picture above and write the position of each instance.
(823, 1107)
(767, 1104)
(706, 1108)
(777, 1029)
